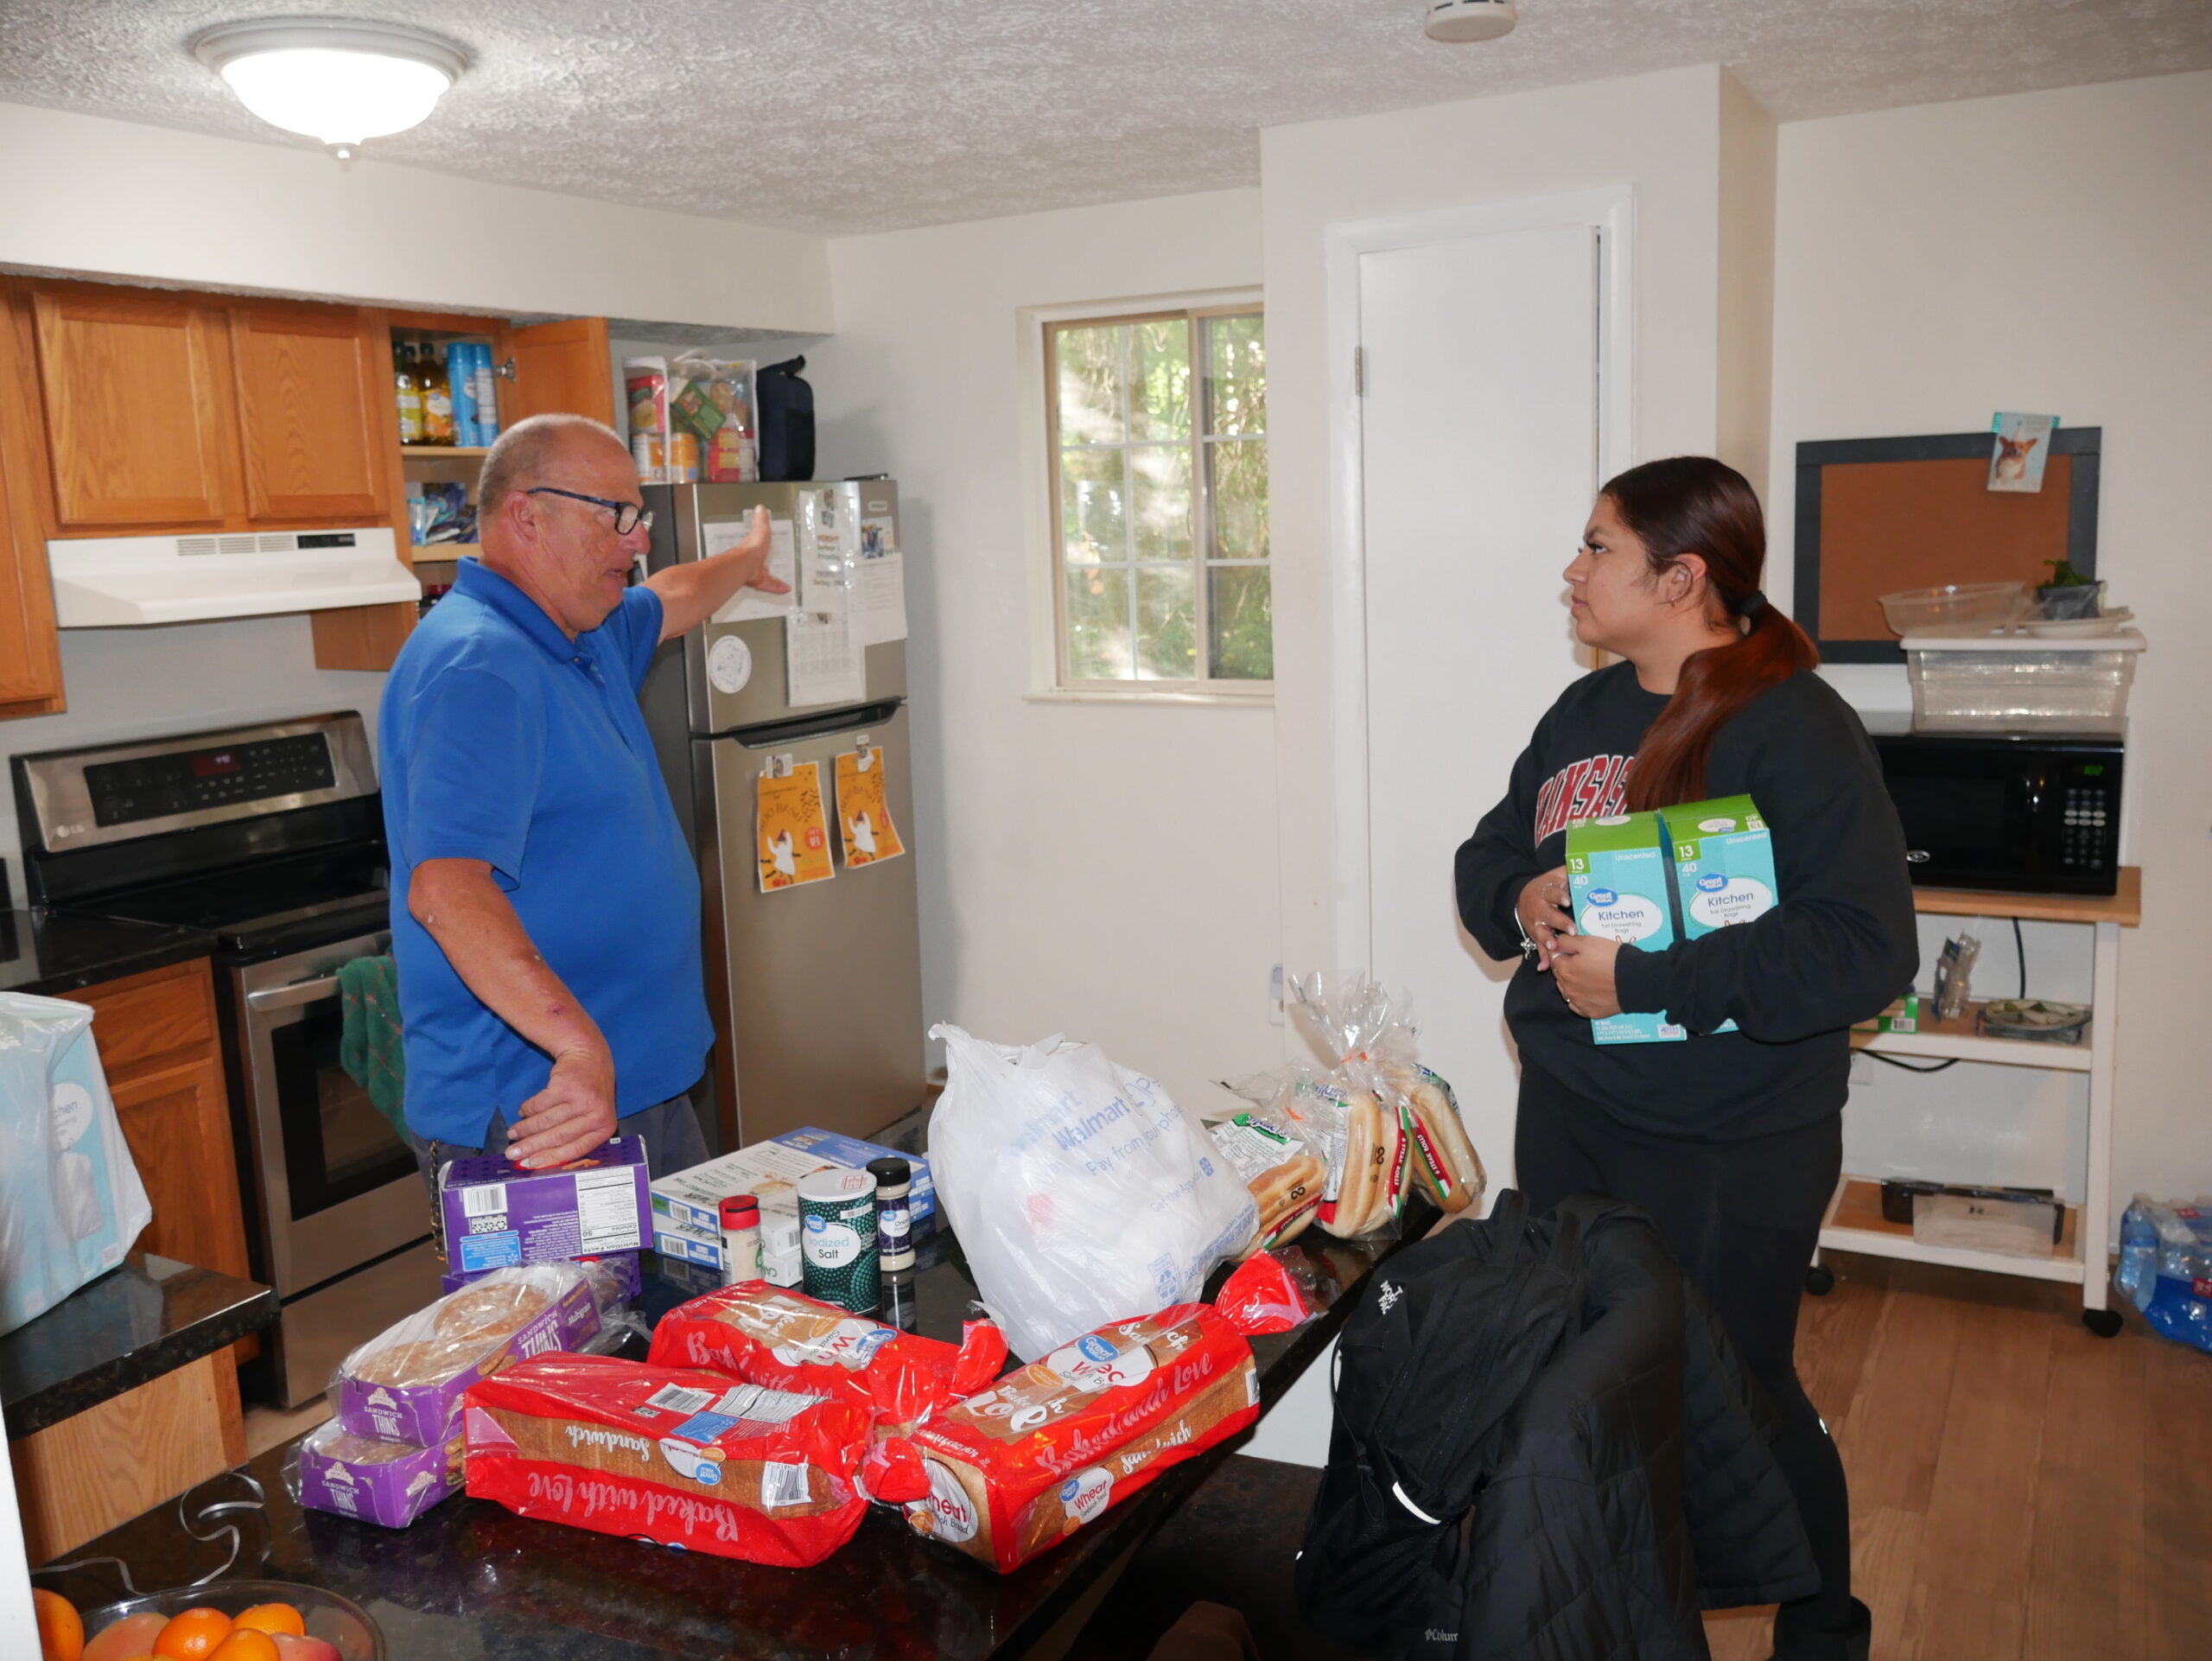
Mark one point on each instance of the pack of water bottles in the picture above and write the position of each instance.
(2165, 1267)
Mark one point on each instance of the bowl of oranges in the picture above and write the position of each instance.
(224, 1620)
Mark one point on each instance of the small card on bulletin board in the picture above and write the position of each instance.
(864, 809)
(792, 834)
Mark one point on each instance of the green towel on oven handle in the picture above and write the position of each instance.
(368, 1042)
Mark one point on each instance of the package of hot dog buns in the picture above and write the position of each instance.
(767, 1335)
(1014, 1470)
(677, 1455)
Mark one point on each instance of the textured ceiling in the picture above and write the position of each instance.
(842, 116)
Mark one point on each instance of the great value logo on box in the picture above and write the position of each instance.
(1724, 866)
(498, 1215)
(1616, 888)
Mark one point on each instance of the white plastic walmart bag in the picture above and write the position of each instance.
(70, 1202)
(1081, 1193)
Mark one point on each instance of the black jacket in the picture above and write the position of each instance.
(1545, 1449)
(1837, 948)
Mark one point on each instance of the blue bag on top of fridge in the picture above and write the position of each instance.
(2165, 1267)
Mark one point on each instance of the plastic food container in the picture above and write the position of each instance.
(2019, 684)
(1956, 608)
(338, 1621)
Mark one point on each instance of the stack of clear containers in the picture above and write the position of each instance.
(2007, 684)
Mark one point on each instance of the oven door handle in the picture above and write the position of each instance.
(285, 997)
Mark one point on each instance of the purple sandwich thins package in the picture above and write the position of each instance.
(615, 1277)
(405, 1385)
(498, 1215)
(388, 1482)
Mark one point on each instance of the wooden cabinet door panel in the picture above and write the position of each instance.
(163, 1016)
(178, 1123)
(308, 413)
(137, 421)
(560, 368)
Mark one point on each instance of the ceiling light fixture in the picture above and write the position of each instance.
(1469, 20)
(333, 79)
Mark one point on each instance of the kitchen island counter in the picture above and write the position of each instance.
(470, 1579)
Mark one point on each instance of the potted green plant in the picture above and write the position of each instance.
(2068, 594)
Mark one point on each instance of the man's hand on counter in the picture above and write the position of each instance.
(571, 1116)
(692, 592)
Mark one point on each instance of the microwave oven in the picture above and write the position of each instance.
(2017, 812)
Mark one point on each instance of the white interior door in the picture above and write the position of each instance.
(1479, 453)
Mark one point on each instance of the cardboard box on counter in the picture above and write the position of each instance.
(499, 1216)
(390, 1483)
(1902, 1016)
(688, 1203)
(698, 1257)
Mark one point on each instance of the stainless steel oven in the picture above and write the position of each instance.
(271, 839)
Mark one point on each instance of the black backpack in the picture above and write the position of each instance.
(786, 421)
(1447, 1336)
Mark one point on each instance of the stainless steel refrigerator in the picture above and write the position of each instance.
(816, 989)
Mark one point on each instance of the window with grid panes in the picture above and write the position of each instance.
(1159, 440)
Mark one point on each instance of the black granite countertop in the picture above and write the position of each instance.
(54, 955)
(151, 1316)
(470, 1579)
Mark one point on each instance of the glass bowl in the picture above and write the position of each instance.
(1956, 608)
(338, 1621)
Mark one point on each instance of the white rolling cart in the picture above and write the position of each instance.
(1854, 1220)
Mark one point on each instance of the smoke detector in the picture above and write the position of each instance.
(1470, 20)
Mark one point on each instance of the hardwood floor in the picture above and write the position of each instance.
(2020, 1489)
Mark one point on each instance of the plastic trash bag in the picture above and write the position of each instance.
(70, 1202)
(2165, 1267)
(1081, 1192)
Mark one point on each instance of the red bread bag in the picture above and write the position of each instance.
(1021, 1466)
(766, 1335)
(676, 1456)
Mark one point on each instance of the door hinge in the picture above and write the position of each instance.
(1359, 372)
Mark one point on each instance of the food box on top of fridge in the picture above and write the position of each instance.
(1724, 866)
(498, 1215)
(1618, 881)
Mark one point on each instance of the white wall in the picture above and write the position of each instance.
(132, 683)
(2046, 252)
(1104, 870)
(86, 194)
(1661, 134)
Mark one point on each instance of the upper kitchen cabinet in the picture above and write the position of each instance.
(137, 408)
(311, 400)
(562, 368)
(30, 654)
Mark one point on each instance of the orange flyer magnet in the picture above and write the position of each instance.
(864, 809)
(792, 835)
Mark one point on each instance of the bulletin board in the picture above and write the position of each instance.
(1875, 515)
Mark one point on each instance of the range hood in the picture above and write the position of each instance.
(126, 582)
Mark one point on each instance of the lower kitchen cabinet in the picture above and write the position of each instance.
(159, 1045)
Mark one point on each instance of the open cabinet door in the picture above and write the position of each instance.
(562, 368)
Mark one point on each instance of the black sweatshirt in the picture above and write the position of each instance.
(1837, 948)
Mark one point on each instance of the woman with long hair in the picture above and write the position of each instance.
(1733, 1140)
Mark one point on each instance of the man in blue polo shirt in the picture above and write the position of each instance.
(546, 915)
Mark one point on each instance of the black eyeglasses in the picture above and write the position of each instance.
(628, 516)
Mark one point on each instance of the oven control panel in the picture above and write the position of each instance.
(155, 786)
(66, 801)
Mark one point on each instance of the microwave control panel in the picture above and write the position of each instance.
(2091, 834)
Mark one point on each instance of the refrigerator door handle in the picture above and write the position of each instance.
(771, 734)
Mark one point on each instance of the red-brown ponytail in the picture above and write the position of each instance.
(1694, 505)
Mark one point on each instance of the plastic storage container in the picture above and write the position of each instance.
(2019, 684)
(1956, 608)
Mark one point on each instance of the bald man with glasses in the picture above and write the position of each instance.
(545, 909)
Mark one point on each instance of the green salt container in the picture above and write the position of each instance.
(836, 1239)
